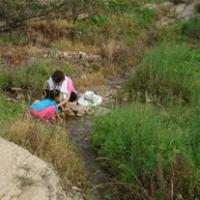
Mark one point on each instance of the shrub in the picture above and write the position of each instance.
(167, 72)
(143, 16)
(191, 28)
(145, 149)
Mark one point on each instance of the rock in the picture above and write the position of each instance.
(11, 100)
(166, 5)
(15, 89)
(179, 8)
(56, 53)
(82, 54)
(83, 16)
(164, 22)
(189, 11)
(78, 109)
(20, 96)
(24, 176)
(76, 189)
(151, 6)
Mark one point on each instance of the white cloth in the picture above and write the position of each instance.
(63, 88)
(89, 99)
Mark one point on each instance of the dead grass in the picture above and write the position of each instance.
(52, 144)
(13, 56)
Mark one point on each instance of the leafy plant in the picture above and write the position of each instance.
(191, 28)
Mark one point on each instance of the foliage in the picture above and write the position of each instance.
(191, 28)
(144, 16)
(137, 141)
(167, 72)
(13, 12)
(9, 110)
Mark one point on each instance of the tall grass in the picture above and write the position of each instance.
(147, 150)
(191, 28)
(52, 144)
(167, 72)
(9, 110)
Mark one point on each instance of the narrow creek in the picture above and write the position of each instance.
(100, 181)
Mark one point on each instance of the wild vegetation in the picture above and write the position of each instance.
(151, 144)
(150, 141)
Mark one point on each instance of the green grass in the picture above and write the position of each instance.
(123, 24)
(144, 148)
(167, 72)
(32, 77)
(191, 28)
(9, 110)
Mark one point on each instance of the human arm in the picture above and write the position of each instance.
(65, 100)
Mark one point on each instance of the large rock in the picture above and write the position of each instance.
(179, 9)
(26, 177)
(189, 10)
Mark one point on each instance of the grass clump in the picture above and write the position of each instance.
(9, 110)
(167, 72)
(52, 144)
(191, 28)
(146, 150)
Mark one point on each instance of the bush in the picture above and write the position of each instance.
(191, 28)
(145, 149)
(168, 72)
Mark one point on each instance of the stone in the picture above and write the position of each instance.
(20, 96)
(179, 8)
(24, 176)
(151, 6)
(82, 54)
(189, 11)
(15, 89)
(83, 16)
(164, 22)
(166, 5)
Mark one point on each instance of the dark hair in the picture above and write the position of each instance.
(52, 94)
(58, 76)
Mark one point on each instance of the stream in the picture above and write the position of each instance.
(101, 185)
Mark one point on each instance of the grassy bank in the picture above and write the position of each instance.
(167, 72)
(148, 152)
(151, 145)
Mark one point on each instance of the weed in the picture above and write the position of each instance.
(167, 72)
(51, 143)
(191, 28)
(146, 150)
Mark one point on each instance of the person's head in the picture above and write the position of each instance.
(53, 95)
(58, 77)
